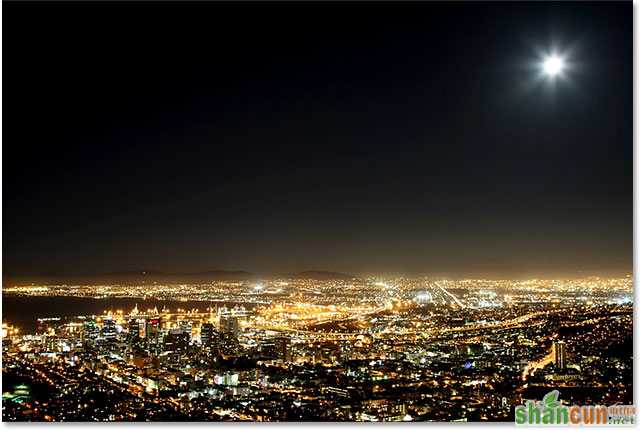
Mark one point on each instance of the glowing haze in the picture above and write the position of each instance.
(397, 138)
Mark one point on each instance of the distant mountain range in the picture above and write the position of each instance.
(151, 276)
(216, 274)
(321, 275)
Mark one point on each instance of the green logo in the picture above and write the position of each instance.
(551, 411)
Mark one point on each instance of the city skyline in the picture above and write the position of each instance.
(318, 212)
(142, 277)
(291, 349)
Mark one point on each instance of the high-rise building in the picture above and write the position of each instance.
(109, 331)
(52, 343)
(152, 328)
(153, 334)
(176, 340)
(90, 331)
(185, 326)
(283, 349)
(208, 334)
(135, 334)
(134, 329)
(229, 324)
(560, 355)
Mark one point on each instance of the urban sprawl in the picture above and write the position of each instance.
(393, 349)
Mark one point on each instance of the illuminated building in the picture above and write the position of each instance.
(152, 328)
(176, 340)
(185, 326)
(229, 324)
(560, 355)
(152, 334)
(283, 349)
(208, 334)
(52, 343)
(109, 331)
(134, 328)
(90, 332)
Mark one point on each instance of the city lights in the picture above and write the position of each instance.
(233, 349)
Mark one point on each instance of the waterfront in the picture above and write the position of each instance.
(410, 349)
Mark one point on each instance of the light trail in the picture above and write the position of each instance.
(450, 295)
(533, 366)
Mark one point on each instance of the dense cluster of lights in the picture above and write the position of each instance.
(397, 349)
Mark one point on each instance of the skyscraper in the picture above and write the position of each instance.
(560, 355)
(153, 334)
(186, 326)
(208, 334)
(283, 349)
(229, 325)
(134, 329)
(90, 331)
(176, 340)
(109, 331)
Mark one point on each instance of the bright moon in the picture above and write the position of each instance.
(553, 65)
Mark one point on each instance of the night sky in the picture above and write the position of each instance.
(412, 138)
